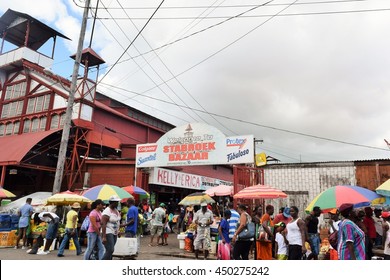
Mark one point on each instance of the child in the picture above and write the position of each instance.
(281, 243)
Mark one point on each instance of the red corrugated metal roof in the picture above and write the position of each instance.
(13, 148)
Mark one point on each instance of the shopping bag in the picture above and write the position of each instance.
(223, 252)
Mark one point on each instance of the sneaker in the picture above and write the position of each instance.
(82, 252)
(42, 252)
(16, 247)
(23, 247)
(60, 255)
(28, 251)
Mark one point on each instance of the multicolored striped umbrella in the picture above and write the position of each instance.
(67, 198)
(6, 194)
(260, 191)
(335, 196)
(104, 192)
(221, 190)
(137, 192)
(384, 189)
(196, 199)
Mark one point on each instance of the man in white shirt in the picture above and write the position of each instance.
(203, 219)
(378, 226)
(53, 222)
(157, 223)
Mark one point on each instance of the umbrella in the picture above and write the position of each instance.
(221, 190)
(137, 192)
(6, 194)
(105, 191)
(260, 191)
(66, 198)
(384, 189)
(337, 195)
(196, 199)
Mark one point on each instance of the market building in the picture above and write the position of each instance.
(104, 133)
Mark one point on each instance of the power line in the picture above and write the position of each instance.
(131, 43)
(144, 104)
(260, 16)
(179, 82)
(264, 126)
(198, 32)
(238, 6)
(142, 69)
(228, 45)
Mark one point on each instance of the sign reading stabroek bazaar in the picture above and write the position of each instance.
(195, 144)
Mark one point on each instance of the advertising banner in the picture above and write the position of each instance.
(195, 144)
(171, 178)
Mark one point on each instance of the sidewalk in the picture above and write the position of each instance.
(172, 251)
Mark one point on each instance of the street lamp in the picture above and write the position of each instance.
(68, 115)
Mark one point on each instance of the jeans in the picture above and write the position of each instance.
(52, 230)
(67, 237)
(314, 240)
(93, 241)
(110, 246)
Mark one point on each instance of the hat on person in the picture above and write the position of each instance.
(114, 198)
(280, 224)
(203, 204)
(385, 214)
(76, 205)
(334, 211)
(286, 212)
(317, 208)
(345, 206)
(162, 205)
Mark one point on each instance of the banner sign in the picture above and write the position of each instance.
(166, 177)
(195, 144)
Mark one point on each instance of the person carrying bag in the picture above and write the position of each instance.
(244, 235)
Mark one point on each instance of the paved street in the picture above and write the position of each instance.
(170, 252)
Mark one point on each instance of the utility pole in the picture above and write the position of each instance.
(69, 108)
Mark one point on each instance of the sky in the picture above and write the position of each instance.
(309, 78)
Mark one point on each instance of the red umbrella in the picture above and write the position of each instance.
(260, 191)
(221, 190)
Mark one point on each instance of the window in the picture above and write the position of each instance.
(62, 120)
(54, 121)
(15, 91)
(4, 112)
(16, 127)
(35, 125)
(26, 126)
(42, 123)
(38, 104)
(2, 128)
(8, 128)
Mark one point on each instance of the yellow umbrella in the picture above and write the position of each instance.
(196, 199)
(384, 189)
(67, 198)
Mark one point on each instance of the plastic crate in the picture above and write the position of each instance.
(5, 222)
(8, 238)
(14, 222)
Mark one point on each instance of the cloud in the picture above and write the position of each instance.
(297, 82)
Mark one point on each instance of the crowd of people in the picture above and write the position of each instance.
(282, 236)
(289, 236)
